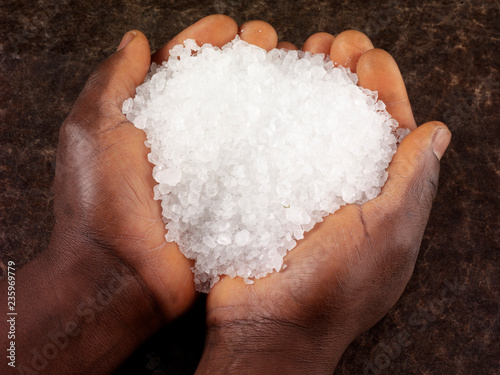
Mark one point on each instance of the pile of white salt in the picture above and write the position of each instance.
(252, 148)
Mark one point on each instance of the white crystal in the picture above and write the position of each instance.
(252, 149)
(170, 176)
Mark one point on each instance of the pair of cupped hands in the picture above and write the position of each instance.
(340, 279)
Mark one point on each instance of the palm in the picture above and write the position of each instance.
(124, 204)
(137, 225)
(109, 173)
(336, 266)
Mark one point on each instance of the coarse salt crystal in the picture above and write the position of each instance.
(252, 148)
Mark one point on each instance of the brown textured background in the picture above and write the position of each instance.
(448, 52)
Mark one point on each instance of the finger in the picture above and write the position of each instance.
(347, 48)
(406, 198)
(112, 82)
(216, 29)
(378, 71)
(319, 43)
(287, 45)
(259, 33)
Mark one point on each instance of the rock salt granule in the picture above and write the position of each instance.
(252, 148)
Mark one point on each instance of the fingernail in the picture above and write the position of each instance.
(440, 142)
(127, 38)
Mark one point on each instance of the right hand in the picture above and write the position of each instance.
(350, 269)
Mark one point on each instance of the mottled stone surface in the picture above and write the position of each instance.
(448, 52)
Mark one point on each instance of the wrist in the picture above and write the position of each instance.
(87, 271)
(83, 310)
(269, 347)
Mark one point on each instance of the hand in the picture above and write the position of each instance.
(104, 184)
(108, 279)
(350, 269)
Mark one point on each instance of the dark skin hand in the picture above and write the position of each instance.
(109, 280)
(349, 270)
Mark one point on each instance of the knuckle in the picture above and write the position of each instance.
(73, 137)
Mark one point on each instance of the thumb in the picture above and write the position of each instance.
(98, 108)
(112, 83)
(406, 199)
